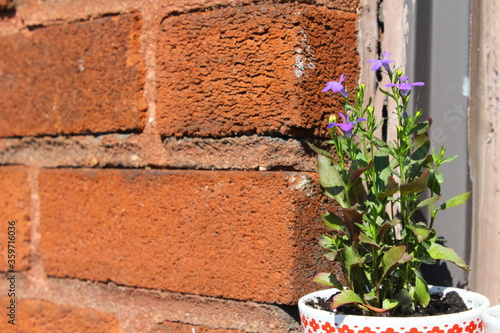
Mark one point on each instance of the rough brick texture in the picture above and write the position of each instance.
(240, 235)
(36, 316)
(140, 310)
(154, 157)
(6, 5)
(252, 69)
(15, 205)
(73, 77)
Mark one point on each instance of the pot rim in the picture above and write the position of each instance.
(492, 314)
(476, 302)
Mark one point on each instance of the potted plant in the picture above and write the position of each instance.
(376, 231)
(491, 318)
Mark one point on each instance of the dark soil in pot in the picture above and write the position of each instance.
(439, 305)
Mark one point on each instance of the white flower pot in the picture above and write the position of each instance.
(491, 319)
(319, 321)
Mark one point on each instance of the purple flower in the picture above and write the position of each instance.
(336, 86)
(346, 125)
(385, 61)
(405, 86)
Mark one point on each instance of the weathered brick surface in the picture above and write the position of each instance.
(73, 78)
(37, 316)
(6, 5)
(140, 310)
(241, 235)
(232, 86)
(169, 327)
(15, 205)
(34, 12)
(252, 69)
(347, 5)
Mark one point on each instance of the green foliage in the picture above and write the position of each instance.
(377, 235)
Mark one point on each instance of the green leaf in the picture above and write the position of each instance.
(422, 296)
(421, 152)
(437, 251)
(363, 238)
(319, 151)
(421, 230)
(426, 260)
(370, 297)
(352, 256)
(421, 128)
(405, 258)
(332, 255)
(331, 179)
(434, 183)
(326, 242)
(351, 218)
(449, 159)
(421, 139)
(357, 192)
(360, 159)
(439, 177)
(428, 201)
(385, 227)
(385, 92)
(350, 107)
(416, 186)
(381, 145)
(334, 222)
(455, 201)
(356, 173)
(392, 257)
(346, 296)
(382, 168)
(392, 187)
(389, 303)
(328, 279)
(404, 299)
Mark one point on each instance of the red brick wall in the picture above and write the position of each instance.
(152, 157)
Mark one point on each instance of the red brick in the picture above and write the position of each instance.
(6, 4)
(33, 316)
(347, 5)
(73, 78)
(252, 69)
(240, 235)
(139, 309)
(34, 11)
(15, 205)
(169, 327)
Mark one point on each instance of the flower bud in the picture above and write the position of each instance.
(361, 92)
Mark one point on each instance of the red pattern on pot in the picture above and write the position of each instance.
(319, 321)
(311, 325)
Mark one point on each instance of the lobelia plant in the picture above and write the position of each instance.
(377, 234)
